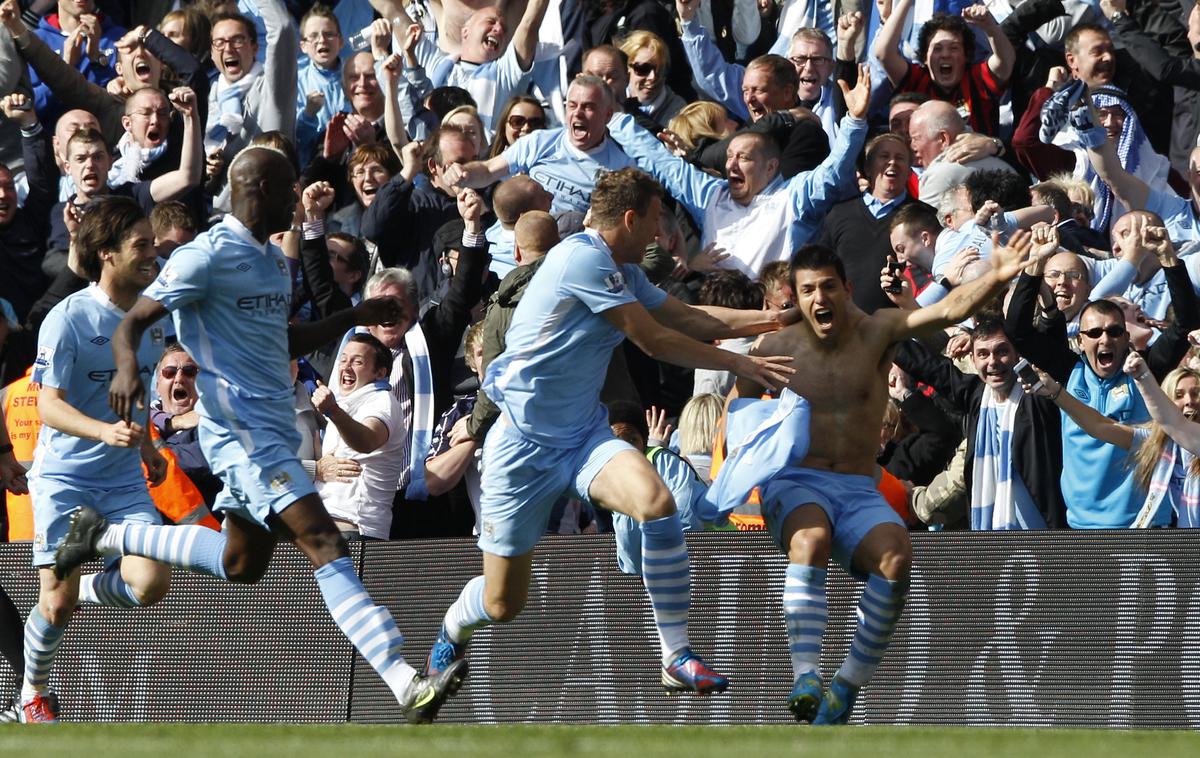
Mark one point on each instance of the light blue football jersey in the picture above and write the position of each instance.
(75, 355)
(548, 379)
(230, 297)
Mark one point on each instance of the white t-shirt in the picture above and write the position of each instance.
(367, 501)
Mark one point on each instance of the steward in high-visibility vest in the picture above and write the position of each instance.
(177, 498)
(20, 402)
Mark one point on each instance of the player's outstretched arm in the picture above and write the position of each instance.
(304, 338)
(670, 346)
(710, 322)
(963, 301)
(126, 391)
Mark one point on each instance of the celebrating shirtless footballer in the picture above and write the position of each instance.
(829, 504)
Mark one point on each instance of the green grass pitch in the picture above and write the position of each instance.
(353, 741)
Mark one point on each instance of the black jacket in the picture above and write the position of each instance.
(402, 222)
(1037, 431)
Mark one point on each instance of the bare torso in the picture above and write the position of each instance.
(846, 386)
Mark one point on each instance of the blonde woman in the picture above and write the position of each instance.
(1163, 453)
(648, 66)
(466, 118)
(697, 431)
(700, 121)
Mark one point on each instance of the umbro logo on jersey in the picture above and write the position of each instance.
(98, 340)
(244, 267)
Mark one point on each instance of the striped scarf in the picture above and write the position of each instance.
(416, 410)
(993, 505)
(1187, 502)
(1134, 151)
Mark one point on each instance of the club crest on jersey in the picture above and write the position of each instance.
(614, 282)
(282, 266)
(158, 335)
(280, 481)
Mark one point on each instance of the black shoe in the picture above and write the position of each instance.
(426, 694)
(79, 546)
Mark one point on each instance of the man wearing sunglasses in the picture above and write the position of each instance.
(1097, 482)
(175, 416)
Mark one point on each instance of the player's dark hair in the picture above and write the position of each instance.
(949, 23)
(814, 257)
(730, 289)
(107, 222)
(631, 413)
(1005, 187)
(383, 356)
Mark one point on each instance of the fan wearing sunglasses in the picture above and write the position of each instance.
(648, 66)
(1099, 488)
(522, 115)
(174, 413)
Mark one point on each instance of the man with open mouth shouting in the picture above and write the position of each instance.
(1098, 486)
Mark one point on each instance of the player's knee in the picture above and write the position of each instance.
(57, 609)
(503, 609)
(810, 547)
(655, 502)
(152, 588)
(896, 563)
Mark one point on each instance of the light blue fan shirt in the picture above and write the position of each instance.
(564, 170)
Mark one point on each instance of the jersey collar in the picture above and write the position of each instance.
(239, 229)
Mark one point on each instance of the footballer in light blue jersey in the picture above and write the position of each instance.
(231, 294)
(75, 355)
(547, 380)
(87, 457)
(230, 297)
(553, 435)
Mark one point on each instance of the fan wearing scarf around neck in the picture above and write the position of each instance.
(1162, 453)
(1083, 126)
(1012, 450)
(250, 97)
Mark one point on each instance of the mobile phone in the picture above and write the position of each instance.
(25, 106)
(1028, 375)
(895, 270)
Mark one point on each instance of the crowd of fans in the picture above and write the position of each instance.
(445, 147)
